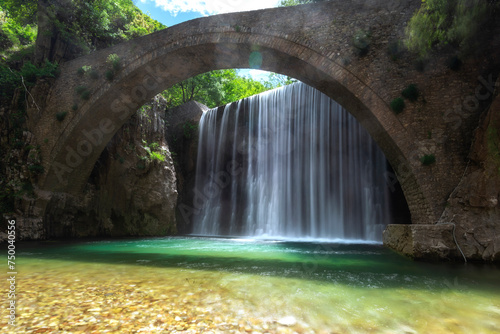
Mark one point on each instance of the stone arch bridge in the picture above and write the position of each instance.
(319, 44)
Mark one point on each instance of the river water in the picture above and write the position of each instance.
(216, 285)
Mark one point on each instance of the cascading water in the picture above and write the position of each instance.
(289, 163)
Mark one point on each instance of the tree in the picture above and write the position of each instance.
(22, 12)
(220, 87)
(88, 25)
(278, 80)
(206, 88)
(454, 22)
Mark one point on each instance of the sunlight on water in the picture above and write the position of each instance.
(203, 285)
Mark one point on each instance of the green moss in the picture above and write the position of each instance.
(397, 105)
(80, 89)
(110, 75)
(190, 128)
(411, 92)
(156, 156)
(85, 95)
(60, 116)
(428, 159)
(361, 42)
(37, 169)
(94, 75)
(114, 61)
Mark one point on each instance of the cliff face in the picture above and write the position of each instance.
(182, 137)
(132, 189)
(474, 206)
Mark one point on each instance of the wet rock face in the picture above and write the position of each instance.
(132, 189)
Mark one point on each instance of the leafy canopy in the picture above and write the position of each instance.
(456, 22)
(88, 24)
(220, 87)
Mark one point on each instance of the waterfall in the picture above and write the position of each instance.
(289, 163)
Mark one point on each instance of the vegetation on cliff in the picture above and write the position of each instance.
(458, 23)
(81, 26)
(87, 25)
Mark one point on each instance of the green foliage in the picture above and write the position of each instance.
(397, 105)
(94, 75)
(446, 21)
(189, 129)
(141, 165)
(21, 12)
(85, 95)
(155, 151)
(428, 159)
(361, 42)
(80, 89)
(37, 169)
(110, 75)
(60, 116)
(411, 92)
(154, 146)
(220, 87)
(83, 91)
(10, 79)
(31, 72)
(114, 60)
(156, 156)
(85, 25)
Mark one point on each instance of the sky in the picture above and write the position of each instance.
(172, 12)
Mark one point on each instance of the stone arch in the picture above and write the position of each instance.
(156, 62)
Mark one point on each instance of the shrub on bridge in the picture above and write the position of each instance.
(397, 105)
(361, 43)
(60, 116)
(428, 159)
(411, 92)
